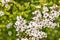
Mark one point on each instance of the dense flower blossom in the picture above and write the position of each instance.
(38, 22)
(20, 24)
(5, 2)
(36, 33)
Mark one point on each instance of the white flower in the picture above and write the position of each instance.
(20, 24)
(32, 24)
(35, 18)
(40, 25)
(5, 1)
(45, 9)
(45, 22)
(52, 11)
(54, 7)
(32, 32)
(54, 14)
(36, 12)
(39, 15)
(52, 25)
(9, 25)
(42, 34)
(45, 15)
(9, 33)
(28, 31)
(19, 18)
(1, 13)
(17, 28)
(51, 17)
(24, 39)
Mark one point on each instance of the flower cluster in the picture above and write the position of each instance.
(5, 2)
(40, 20)
(20, 24)
(36, 33)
